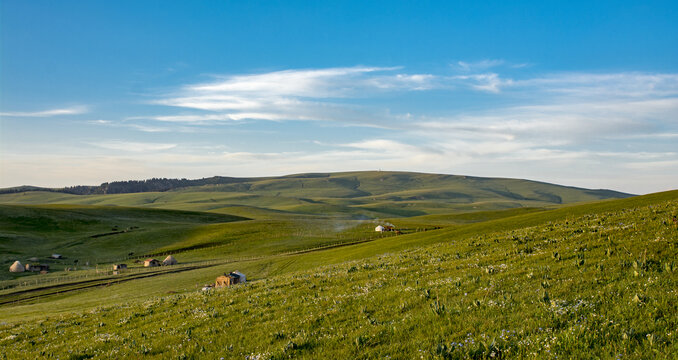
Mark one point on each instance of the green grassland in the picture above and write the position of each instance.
(289, 213)
(370, 194)
(481, 268)
(85, 234)
(93, 236)
(596, 280)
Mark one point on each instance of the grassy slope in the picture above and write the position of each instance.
(39, 231)
(276, 265)
(359, 194)
(595, 280)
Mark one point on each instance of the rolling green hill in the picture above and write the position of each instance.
(86, 235)
(595, 280)
(355, 195)
(480, 268)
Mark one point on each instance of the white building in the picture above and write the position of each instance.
(243, 278)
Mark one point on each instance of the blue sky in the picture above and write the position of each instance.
(576, 93)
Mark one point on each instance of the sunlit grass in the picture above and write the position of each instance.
(596, 283)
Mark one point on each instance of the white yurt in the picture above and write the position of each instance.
(242, 276)
(169, 260)
(379, 228)
(17, 267)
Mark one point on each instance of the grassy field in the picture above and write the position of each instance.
(595, 280)
(487, 268)
(356, 195)
(589, 281)
(88, 235)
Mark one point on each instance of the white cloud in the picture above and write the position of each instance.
(609, 85)
(477, 65)
(313, 83)
(131, 146)
(151, 129)
(75, 110)
(306, 94)
(390, 148)
(584, 129)
(561, 121)
(99, 122)
(209, 118)
(489, 82)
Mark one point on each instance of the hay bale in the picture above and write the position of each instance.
(170, 260)
(17, 267)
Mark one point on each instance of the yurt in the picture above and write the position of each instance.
(379, 228)
(169, 260)
(17, 267)
(242, 276)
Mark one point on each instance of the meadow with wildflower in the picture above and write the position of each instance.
(589, 281)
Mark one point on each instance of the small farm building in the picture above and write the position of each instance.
(56, 256)
(17, 267)
(225, 280)
(384, 228)
(119, 266)
(229, 279)
(37, 267)
(242, 276)
(152, 263)
(170, 260)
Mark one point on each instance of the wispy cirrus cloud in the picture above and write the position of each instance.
(482, 65)
(568, 125)
(313, 83)
(131, 146)
(305, 94)
(327, 94)
(489, 82)
(565, 122)
(74, 110)
(605, 85)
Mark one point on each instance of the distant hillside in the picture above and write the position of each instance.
(368, 194)
(350, 181)
(129, 186)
